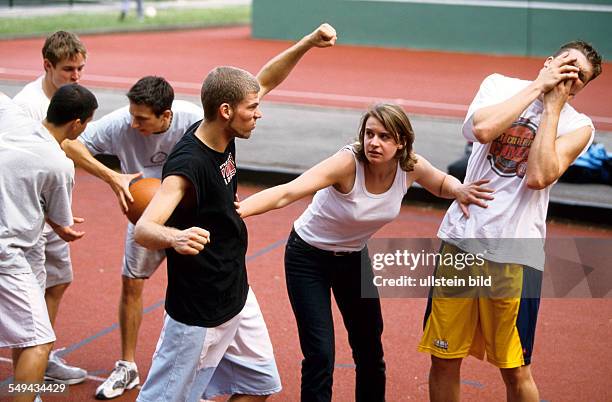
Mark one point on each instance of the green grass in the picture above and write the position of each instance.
(108, 22)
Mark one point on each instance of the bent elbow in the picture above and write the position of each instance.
(482, 133)
(537, 183)
(540, 179)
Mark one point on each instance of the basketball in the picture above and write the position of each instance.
(142, 191)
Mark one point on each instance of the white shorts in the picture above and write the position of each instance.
(36, 258)
(25, 321)
(193, 362)
(52, 254)
(57, 259)
(139, 262)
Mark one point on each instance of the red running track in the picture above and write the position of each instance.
(572, 354)
(573, 349)
(438, 83)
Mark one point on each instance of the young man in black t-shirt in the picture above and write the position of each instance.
(214, 339)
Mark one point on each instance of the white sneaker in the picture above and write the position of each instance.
(60, 372)
(124, 376)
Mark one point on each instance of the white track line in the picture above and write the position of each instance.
(282, 93)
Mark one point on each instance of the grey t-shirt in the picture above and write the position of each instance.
(113, 135)
(36, 179)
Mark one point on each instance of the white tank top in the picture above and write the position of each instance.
(345, 222)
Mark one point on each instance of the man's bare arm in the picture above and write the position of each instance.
(278, 68)
(151, 231)
(119, 183)
(67, 233)
(491, 121)
(549, 156)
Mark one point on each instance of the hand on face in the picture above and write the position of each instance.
(559, 69)
(323, 36)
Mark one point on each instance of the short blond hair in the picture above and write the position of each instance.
(63, 45)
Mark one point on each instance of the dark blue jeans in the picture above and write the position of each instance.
(311, 273)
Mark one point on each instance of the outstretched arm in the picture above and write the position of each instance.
(491, 121)
(278, 68)
(119, 183)
(151, 231)
(444, 185)
(332, 171)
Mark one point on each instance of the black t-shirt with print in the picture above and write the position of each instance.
(211, 287)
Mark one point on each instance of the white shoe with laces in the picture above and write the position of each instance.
(124, 376)
(60, 372)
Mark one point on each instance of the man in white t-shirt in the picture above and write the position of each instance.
(525, 136)
(63, 61)
(36, 182)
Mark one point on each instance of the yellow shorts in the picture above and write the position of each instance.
(498, 320)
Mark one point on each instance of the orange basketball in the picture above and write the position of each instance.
(142, 191)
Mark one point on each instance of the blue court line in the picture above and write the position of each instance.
(153, 306)
(472, 383)
(159, 303)
(344, 365)
(147, 310)
(105, 331)
(266, 249)
(6, 382)
(85, 341)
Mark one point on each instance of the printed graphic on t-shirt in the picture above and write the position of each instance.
(157, 159)
(228, 169)
(509, 152)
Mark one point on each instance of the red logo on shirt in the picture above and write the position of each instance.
(509, 152)
(228, 169)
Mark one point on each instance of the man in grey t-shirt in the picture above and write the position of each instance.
(64, 57)
(36, 182)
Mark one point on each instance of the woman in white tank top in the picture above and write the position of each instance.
(358, 190)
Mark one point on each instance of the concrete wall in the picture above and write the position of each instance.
(485, 26)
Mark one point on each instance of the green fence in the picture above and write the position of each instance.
(485, 26)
